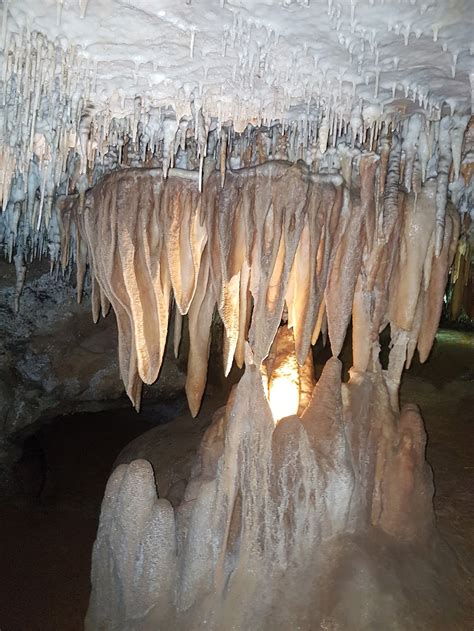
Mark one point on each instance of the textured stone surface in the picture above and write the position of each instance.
(140, 530)
(171, 450)
(289, 526)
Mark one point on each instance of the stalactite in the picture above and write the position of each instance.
(20, 269)
(461, 277)
(200, 319)
(95, 300)
(444, 165)
(227, 242)
(347, 258)
(278, 224)
(276, 239)
(41, 159)
(310, 267)
(317, 241)
(186, 238)
(178, 330)
(406, 281)
(275, 234)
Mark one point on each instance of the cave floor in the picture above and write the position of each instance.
(46, 540)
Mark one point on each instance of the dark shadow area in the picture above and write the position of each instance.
(47, 532)
(443, 388)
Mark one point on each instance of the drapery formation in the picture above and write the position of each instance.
(268, 242)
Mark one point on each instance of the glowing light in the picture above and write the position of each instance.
(284, 389)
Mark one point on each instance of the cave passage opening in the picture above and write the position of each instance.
(48, 527)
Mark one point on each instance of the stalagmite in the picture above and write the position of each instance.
(405, 481)
(288, 491)
(290, 384)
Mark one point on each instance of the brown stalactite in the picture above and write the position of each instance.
(433, 295)
(95, 299)
(278, 207)
(277, 238)
(200, 318)
(185, 238)
(177, 330)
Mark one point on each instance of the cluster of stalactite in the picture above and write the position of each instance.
(57, 142)
(266, 243)
(210, 206)
(459, 299)
(58, 136)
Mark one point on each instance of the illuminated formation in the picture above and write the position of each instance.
(290, 471)
(302, 168)
(272, 514)
(273, 237)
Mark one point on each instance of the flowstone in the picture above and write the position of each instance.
(310, 522)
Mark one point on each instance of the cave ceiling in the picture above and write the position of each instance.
(248, 60)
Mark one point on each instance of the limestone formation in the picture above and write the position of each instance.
(265, 514)
(294, 169)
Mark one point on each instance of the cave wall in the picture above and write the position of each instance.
(54, 360)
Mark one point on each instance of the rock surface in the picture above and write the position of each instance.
(306, 513)
(54, 360)
(171, 451)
